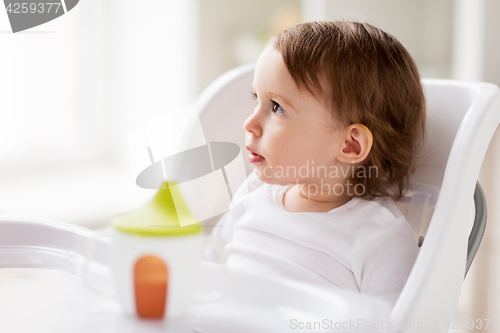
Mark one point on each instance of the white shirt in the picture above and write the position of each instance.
(363, 245)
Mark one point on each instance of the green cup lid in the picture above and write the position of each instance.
(160, 217)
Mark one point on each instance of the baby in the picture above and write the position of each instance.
(339, 112)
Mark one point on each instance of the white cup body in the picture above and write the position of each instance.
(182, 256)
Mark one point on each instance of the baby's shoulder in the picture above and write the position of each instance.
(380, 210)
(383, 222)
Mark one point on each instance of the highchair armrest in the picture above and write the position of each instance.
(477, 231)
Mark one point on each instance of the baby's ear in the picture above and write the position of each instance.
(358, 140)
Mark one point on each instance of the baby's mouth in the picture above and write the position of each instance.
(254, 157)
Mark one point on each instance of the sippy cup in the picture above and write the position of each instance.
(156, 262)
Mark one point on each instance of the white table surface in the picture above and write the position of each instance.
(42, 290)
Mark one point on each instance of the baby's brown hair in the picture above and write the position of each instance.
(365, 76)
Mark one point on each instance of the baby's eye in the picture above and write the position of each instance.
(254, 96)
(277, 108)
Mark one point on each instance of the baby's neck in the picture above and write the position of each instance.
(295, 201)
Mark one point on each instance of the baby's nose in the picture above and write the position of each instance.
(252, 125)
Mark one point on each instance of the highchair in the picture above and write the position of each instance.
(461, 120)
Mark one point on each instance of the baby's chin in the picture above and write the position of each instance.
(275, 180)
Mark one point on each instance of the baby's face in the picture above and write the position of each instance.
(292, 130)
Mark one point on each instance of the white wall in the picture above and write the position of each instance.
(225, 23)
(491, 67)
(73, 88)
(422, 26)
(42, 103)
(71, 91)
(152, 57)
